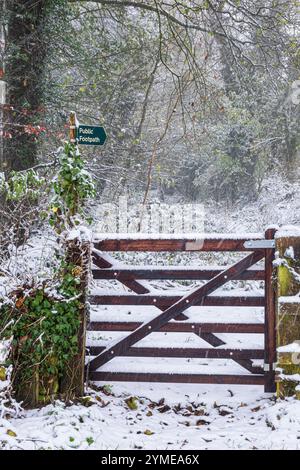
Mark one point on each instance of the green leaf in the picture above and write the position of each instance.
(132, 403)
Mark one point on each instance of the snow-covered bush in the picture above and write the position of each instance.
(40, 311)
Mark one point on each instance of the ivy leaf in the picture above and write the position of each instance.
(2, 373)
(132, 403)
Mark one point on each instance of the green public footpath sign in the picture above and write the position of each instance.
(90, 135)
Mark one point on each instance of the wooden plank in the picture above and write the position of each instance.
(215, 341)
(270, 317)
(131, 283)
(211, 339)
(135, 286)
(186, 352)
(168, 300)
(99, 261)
(176, 378)
(192, 274)
(247, 364)
(173, 244)
(186, 327)
(175, 309)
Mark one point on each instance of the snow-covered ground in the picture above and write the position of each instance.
(164, 417)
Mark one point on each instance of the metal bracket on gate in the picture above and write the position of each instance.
(270, 367)
(259, 244)
(196, 245)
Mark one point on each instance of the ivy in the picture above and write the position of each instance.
(43, 322)
(69, 188)
(21, 185)
(72, 186)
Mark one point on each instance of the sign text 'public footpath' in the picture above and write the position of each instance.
(90, 135)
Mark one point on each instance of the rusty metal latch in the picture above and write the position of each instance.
(259, 244)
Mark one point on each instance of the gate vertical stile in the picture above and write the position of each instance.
(270, 317)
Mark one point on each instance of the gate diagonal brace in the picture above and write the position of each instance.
(132, 284)
(215, 341)
(103, 263)
(137, 287)
(174, 310)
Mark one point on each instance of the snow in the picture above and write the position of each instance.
(117, 265)
(167, 417)
(290, 348)
(289, 299)
(81, 233)
(291, 377)
(4, 346)
(34, 260)
(173, 365)
(181, 340)
(288, 231)
(289, 252)
(181, 293)
(174, 236)
(208, 314)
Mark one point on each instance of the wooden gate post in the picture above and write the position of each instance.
(288, 311)
(270, 317)
(79, 256)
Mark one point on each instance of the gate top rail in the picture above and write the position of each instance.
(177, 242)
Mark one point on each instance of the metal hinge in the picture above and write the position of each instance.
(259, 244)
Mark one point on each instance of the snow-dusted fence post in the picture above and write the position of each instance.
(78, 255)
(288, 311)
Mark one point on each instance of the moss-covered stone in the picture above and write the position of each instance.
(288, 323)
(288, 315)
(287, 387)
(287, 284)
(284, 280)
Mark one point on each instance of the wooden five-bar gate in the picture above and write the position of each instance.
(172, 307)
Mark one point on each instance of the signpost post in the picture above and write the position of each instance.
(72, 128)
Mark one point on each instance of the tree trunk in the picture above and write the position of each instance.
(25, 60)
(2, 82)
